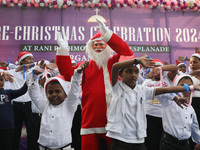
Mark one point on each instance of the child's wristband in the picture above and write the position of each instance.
(135, 62)
(31, 65)
(177, 99)
(1, 72)
(186, 87)
(191, 88)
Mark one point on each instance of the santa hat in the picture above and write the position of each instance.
(3, 68)
(124, 58)
(196, 55)
(62, 82)
(178, 63)
(22, 55)
(158, 62)
(176, 81)
(97, 36)
(178, 78)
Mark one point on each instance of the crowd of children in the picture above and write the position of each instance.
(127, 103)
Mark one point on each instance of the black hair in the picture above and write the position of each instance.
(53, 82)
(121, 70)
(186, 77)
(196, 57)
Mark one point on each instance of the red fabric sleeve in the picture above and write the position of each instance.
(65, 66)
(119, 46)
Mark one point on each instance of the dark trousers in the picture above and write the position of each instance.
(34, 130)
(195, 105)
(169, 142)
(22, 113)
(6, 139)
(120, 145)
(76, 127)
(154, 132)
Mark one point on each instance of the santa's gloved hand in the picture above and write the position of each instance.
(63, 45)
(102, 27)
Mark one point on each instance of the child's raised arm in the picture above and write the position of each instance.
(145, 62)
(172, 70)
(82, 66)
(174, 89)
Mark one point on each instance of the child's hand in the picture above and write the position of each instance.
(197, 147)
(8, 77)
(82, 66)
(51, 66)
(3, 63)
(145, 62)
(182, 100)
(39, 67)
(197, 50)
(182, 58)
(156, 71)
(20, 68)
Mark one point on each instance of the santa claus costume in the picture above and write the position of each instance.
(96, 86)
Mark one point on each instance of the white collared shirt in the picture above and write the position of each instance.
(56, 123)
(18, 82)
(126, 114)
(153, 106)
(178, 122)
(196, 81)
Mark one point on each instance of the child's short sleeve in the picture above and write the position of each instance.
(149, 92)
(115, 87)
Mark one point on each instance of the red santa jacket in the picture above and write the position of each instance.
(93, 99)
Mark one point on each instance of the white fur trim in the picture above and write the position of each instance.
(158, 63)
(178, 78)
(96, 39)
(62, 83)
(197, 55)
(181, 64)
(24, 56)
(92, 131)
(108, 87)
(106, 37)
(62, 52)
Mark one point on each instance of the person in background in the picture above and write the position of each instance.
(21, 105)
(6, 112)
(162, 76)
(182, 68)
(179, 124)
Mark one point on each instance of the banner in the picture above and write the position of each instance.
(161, 34)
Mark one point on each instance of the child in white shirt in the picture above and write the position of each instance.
(126, 115)
(58, 110)
(179, 123)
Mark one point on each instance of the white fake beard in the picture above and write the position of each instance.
(101, 58)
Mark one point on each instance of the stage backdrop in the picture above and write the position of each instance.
(161, 34)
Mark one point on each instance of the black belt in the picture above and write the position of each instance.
(22, 103)
(46, 148)
(175, 140)
(37, 114)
